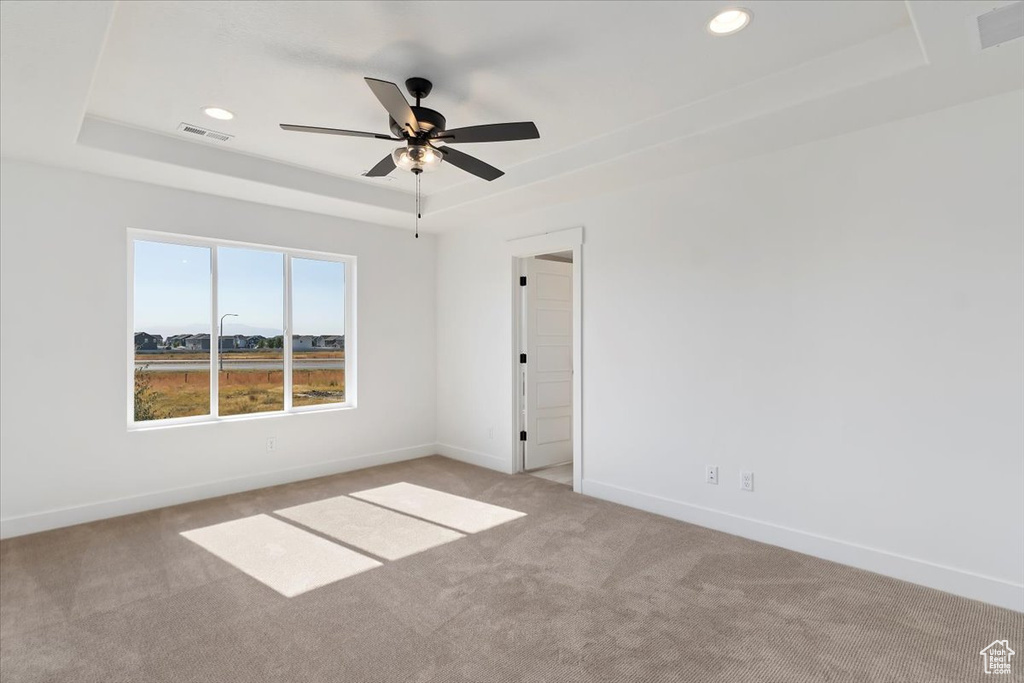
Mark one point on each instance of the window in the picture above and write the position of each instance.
(221, 330)
(172, 320)
(250, 310)
(318, 337)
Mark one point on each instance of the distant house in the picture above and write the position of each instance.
(147, 342)
(176, 340)
(198, 342)
(303, 342)
(331, 341)
(233, 341)
(253, 341)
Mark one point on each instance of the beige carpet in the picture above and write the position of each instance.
(578, 590)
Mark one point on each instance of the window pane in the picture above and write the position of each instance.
(318, 339)
(250, 303)
(172, 330)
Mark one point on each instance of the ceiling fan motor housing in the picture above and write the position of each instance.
(428, 119)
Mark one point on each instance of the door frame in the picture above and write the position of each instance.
(538, 245)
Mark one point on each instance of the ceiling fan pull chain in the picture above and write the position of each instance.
(418, 205)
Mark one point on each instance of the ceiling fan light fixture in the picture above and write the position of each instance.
(422, 157)
(729, 21)
(218, 113)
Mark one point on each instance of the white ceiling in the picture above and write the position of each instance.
(621, 91)
(585, 69)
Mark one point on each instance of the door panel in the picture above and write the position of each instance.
(551, 358)
(548, 338)
(553, 322)
(554, 286)
(554, 394)
(553, 430)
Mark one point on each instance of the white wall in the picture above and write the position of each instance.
(66, 453)
(844, 318)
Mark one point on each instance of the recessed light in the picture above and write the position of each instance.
(218, 113)
(729, 21)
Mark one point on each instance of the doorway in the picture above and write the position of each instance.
(547, 356)
(546, 367)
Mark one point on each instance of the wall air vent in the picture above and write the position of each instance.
(201, 132)
(1001, 25)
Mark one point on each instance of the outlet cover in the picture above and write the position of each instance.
(271, 443)
(747, 481)
(711, 474)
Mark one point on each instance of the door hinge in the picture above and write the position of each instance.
(522, 280)
(522, 358)
(522, 436)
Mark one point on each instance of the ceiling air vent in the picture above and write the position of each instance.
(201, 132)
(1001, 25)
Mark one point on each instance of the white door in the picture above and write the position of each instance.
(548, 376)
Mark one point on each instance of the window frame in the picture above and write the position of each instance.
(288, 253)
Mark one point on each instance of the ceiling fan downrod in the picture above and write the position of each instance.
(418, 88)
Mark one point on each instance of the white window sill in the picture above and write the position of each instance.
(173, 423)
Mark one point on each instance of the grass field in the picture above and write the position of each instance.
(182, 394)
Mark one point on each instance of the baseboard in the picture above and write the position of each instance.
(950, 579)
(491, 462)
(55, 519)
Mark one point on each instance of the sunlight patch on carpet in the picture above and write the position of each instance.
(382, 532)
(450, 510)
(285, 558)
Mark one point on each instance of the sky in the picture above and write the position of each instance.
(172, 291)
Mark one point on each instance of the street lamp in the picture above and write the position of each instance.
(220, 344)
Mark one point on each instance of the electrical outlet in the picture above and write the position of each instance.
(746, 480)
(490, 433)
(271, 443)
(711, 474)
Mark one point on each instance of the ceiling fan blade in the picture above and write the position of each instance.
(494, 132)
(335, 131)
(394, 101)
(383, 167)
(470, 164)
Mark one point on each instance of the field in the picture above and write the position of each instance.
(181, 394)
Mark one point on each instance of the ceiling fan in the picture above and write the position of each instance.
(419, 128)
